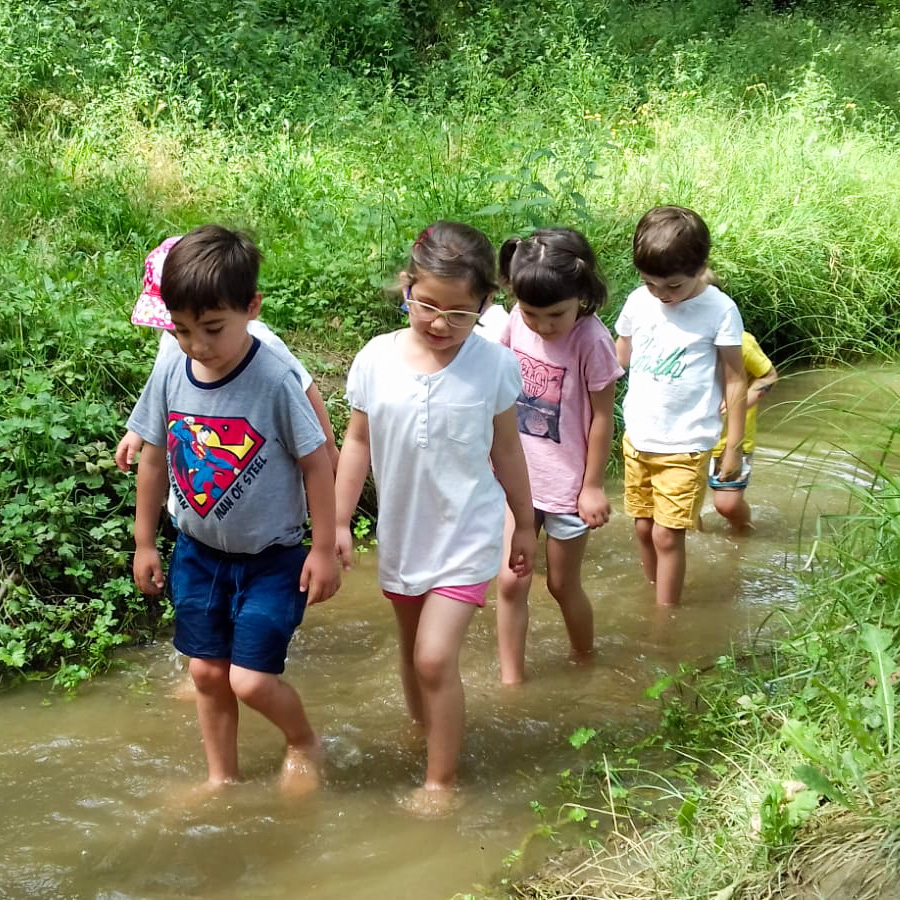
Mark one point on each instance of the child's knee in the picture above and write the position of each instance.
(249, 686)
(729, 503)
(667, 540)
(209, 675)
(644, 529)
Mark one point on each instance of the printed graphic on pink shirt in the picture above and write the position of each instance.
(537, 407)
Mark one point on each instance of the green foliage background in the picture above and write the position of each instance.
(336, 131)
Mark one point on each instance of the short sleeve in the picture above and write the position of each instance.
(756, 362)
(623, 324)
(148, 418)
(509, 381)
(357, 382)
(296, 420)
(601, 365)
(731, 327)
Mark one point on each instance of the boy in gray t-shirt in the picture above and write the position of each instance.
(230, 429)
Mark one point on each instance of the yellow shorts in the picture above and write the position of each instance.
(665, 487)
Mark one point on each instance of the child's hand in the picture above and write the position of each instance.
(593, 507)
(320, 577)
(522, 549)
(148, 572)
(128, 449)
(344, 547)
(730, 464)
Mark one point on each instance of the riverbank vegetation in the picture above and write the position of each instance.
(335, 131)
(775, 772)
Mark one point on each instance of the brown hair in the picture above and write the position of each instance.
(552, 265)
(671, 240)
(211, 267)
(454, 250)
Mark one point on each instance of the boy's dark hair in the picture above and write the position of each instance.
(211, 267)
(455, 250)
(552, 265)
(671, 240)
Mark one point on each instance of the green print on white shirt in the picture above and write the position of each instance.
(649, 359)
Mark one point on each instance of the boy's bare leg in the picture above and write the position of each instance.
(217, 712)
(732, 506)
(669, 544)
(274, 698)
(407, 614)
(442, 627)
(643, 529)
(564, 583)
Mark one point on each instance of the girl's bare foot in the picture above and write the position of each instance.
(431, 802)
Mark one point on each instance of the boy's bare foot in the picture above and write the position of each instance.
(301, 770)
(431, 802)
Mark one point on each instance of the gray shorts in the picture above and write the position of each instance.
(562, 526)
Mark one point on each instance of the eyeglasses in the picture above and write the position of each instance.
(455, 318)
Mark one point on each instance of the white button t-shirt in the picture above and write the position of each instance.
(440, 507)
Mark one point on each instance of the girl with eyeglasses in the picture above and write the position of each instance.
(433, 413)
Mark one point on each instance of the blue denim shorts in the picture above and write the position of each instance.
(238, 606)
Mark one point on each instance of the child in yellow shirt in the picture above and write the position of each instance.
(729, 495)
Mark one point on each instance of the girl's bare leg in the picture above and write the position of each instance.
(564, 583)
(442, 627)
(512, 616)
(217, 712)
(407, 614)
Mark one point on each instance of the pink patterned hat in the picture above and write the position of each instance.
(150, 309)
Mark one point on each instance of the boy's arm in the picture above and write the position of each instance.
(318, 404)
(152, 485)
(353, 467)
(593, 506)
(623, 351)
(761, 386)
(320, 575)
(508, 460)
(732, 361)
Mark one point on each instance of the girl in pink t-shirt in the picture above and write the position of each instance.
(565, 421)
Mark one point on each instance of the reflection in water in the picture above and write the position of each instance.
(94, 788)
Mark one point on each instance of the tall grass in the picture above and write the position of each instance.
(778, 770)
(335, 132)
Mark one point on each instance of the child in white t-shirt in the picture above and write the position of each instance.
(433, 412)
(565, 421)
(149, 310)
(680, 338)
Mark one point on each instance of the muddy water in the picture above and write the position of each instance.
(95, 789)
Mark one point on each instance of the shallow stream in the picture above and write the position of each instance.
(94, 788)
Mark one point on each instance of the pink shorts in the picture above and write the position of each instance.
(467, 593)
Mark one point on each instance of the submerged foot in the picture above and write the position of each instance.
(431, 802)
(184, 690)
(301, 770)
